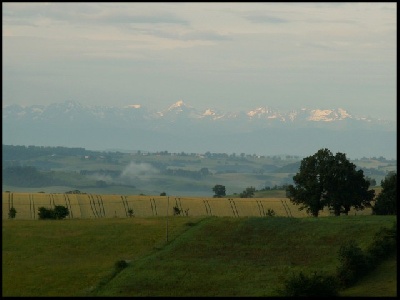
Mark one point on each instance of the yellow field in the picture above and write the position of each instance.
(85, 206)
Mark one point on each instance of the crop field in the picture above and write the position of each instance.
(92, 206)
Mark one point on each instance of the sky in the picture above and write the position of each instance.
(225, 56)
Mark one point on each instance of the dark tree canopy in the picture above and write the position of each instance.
(385, 203)
(325, 180)
(219, 191)
(59, 212)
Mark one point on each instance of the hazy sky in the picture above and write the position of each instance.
(226, 56)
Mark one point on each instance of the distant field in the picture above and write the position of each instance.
(90, 206)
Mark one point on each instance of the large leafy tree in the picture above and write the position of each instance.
(325, 180)
(386, 201)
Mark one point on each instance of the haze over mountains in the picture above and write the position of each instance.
(183, 128)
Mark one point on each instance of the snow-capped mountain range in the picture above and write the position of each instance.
(182, 127)
(72, 110)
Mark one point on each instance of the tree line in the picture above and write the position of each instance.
(28, 176)
(11, 152)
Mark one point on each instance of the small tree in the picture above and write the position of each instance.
(219, 191)
(248, 192)
(12, 213)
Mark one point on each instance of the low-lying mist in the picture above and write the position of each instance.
(131, 174)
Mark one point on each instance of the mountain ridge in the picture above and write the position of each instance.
(181, 127)
(180, 108)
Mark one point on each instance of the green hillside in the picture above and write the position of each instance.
(213, 256)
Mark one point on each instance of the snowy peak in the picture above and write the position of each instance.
(209, 112)
(344, 113)
(136, 106)
(328, 115)
(259, 112)
(179, 106)
(265, 113)
(180, 110)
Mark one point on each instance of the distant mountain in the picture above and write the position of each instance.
(181, 127)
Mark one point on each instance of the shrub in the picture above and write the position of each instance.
(12, 213)
(177, 210)
(120, 265)
(270, 212)
(354, 264)
(385, 243)
(386, 201)
(45, 213)
(74, 192)
(316, 285)
(59, 212)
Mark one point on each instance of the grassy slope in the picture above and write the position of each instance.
(215, 257)
(65, 258)
(243, 257)
(211, 257)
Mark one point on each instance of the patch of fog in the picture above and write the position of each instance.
(135, 171)
(132, 173)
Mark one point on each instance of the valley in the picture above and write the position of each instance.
(60, 169)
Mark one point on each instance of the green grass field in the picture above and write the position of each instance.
(204, 256)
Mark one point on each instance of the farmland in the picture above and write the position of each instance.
(203, 256)
(186, 243)
(92, 206)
